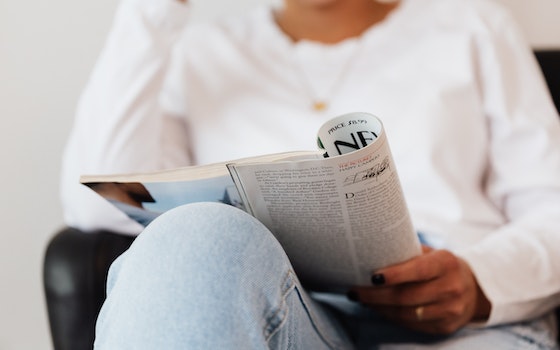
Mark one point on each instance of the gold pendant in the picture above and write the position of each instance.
(319, 106)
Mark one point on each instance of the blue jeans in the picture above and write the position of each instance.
(209, 276)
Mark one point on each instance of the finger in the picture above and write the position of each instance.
(439, 326)
(447, 286)
(410, 294)
(410, 314)
(422, 268)
(447, 310)
(432, 327)
(434, 318)
(426, 249)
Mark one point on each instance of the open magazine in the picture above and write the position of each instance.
(339, 212)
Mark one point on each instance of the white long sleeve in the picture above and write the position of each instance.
(522, 180)
(472, 129)
(119, 126)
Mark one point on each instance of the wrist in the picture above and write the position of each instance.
(483, 306)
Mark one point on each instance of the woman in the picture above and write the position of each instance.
(472, 129)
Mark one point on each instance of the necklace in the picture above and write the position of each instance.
(320, 102)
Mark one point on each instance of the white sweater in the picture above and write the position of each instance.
(473, 131)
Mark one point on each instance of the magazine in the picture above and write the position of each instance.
(339, 212)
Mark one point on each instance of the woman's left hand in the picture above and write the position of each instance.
(435, 292)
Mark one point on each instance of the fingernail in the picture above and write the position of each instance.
(352, 295)
(378, 279)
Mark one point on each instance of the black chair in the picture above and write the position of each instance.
(74, 277)
(549, 61)
(76, 263)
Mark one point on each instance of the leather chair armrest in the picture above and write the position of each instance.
(549, 61)
(74, 277)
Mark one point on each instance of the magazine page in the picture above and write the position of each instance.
(338, 218)
(196, 172)
(145, 201)
(145, 196)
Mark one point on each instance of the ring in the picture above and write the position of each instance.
(419, 313)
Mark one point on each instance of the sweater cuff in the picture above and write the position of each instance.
(501, 311)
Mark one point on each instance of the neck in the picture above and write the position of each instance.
(331, 22)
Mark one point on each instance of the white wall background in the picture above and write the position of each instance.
(47, 49)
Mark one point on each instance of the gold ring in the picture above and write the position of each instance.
(419, 313)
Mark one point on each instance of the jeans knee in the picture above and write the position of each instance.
(202, 230)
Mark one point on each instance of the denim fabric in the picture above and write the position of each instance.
(209, 276)
(369, 331)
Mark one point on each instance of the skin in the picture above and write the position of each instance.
(330, 21)
(439, 281)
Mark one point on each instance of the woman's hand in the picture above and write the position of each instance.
(435, 292)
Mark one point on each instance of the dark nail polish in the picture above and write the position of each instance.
(352, 295)
(378, 279)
